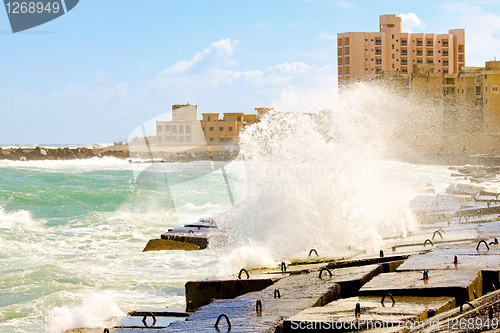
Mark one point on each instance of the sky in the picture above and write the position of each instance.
(106, 67)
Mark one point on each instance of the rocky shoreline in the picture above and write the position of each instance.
(37, 154)
(121, 152)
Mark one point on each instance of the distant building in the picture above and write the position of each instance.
(186, 129)
(365, 54)
(468, 101)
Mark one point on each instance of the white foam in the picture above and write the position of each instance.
(248, 257)
(93, 312)
(77, 165)
(319, 180)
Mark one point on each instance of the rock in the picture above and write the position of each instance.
(43, 152)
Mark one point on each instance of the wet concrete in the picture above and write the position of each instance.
(166, 244)
(199, 293)
(296, 293)
(200, 239)
(341, 315)
(453, 283)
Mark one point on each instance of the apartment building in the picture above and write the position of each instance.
(363, 55)
(186, 129)
(465, 102)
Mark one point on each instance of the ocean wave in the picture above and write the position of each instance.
(20, 219)
(94, 312)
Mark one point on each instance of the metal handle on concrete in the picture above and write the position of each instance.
(106, 330)
(464, 216)
(227, 320)
(441, 230)
(390, 295)
(324, 269)
(258, 305)
(474, 293)
(479, 244)
(277, 293)
(495, 241)
(462, 306)
(426, 275)
(381, 253)
(283, 266)
(313, 250)
(241, 271)
(428, 241)
(190, 307)
(146, 316)
(357, 310)
(437, 232)
(494, 287)
(455, 260)
(490, 313)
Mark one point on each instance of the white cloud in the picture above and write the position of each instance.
(326, 35)
(341, 4)
(410, 21)
(223, 48)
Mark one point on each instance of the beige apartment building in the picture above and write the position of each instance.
(464, 102)
(186, 130)
(363, 55)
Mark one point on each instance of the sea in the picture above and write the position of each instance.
(72, 232)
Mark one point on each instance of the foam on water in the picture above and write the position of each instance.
(93, 312)
(318, 177)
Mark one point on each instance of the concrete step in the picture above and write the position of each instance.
(341, 315)
(460, 284)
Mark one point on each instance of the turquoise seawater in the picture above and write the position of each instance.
(72, 234)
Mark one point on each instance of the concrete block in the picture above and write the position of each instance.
(340, 315)
(453, 283)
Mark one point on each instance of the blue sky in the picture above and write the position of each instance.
(106, 67)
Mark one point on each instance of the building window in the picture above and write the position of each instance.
(181, 129)
(181, 138)
(430, 42)
(208, 118)
(404, 71)
(188, 129)
(378, 51)
(160, 139)
(419, 42)
(167, 139)
(404, 42)
(211, 129)
(160, 128)
(430, 53)
(419, 53)
(378, 61)
(222, 140)
(174, 129)
(221, 129)
(448, 90)
(445, 53)
(378, 70)
(211, 139)
(239, 118)
(188, 138)
(419, 61)
(404, 62)
(478, 90)
(404, 52)
(378, 41)
(230, 129)
(430, 61)
(494, 89)
(167, 128)
(449, 80)
(174, 139)
(445, 43)
(339, 61)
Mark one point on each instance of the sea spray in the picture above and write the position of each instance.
(96, 311)
(319, 179)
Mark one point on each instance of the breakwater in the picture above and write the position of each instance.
(119, 151)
